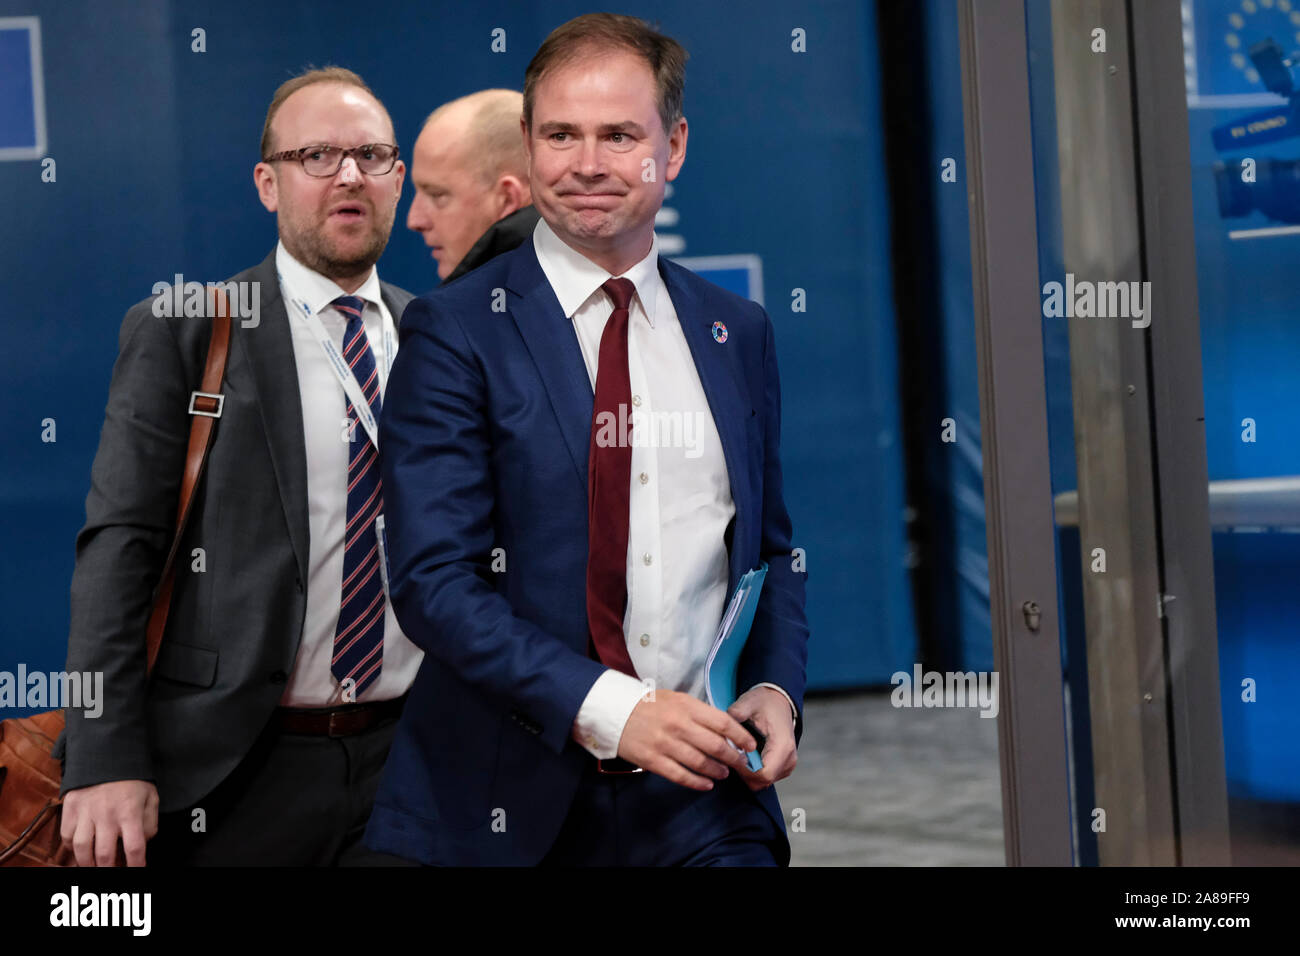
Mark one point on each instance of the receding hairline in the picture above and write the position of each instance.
(480, 98)
(332, 76)
(591, 48)
(492, 144)
(596, 35)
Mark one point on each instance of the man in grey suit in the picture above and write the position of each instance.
(268, 718)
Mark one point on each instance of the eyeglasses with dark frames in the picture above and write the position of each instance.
(323, 160)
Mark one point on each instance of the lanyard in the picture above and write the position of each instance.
(343, 372)
(352, 387)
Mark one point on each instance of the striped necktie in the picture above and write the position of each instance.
(359, 637)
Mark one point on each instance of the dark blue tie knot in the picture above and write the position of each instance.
(352, 306)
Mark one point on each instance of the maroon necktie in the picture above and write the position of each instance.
(609, 476)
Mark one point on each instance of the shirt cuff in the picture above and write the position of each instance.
(604, 713)
(794, 711)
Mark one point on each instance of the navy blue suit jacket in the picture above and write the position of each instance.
(484, 436)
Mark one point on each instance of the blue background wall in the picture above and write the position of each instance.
(1248, 291)
(155, 146)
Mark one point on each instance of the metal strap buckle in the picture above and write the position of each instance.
(216, 397)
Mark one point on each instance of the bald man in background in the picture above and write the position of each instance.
(472, 200)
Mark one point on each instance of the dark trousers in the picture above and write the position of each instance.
(295, 800)
(644, 820)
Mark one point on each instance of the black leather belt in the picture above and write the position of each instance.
(337, 721)
(617, 765)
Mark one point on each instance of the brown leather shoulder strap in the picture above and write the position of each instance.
(206, 406)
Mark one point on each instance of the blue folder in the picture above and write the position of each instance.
(729, 642)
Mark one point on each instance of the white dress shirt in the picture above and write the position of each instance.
(680, 499)
(324, 418)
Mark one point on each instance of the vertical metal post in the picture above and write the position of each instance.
(1102, 243)
(1013, 424)
(1178, 402)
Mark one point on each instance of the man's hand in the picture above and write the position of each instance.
(683, 739)
(94, 818)
(770, 712)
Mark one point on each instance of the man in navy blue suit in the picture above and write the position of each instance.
(580, 448)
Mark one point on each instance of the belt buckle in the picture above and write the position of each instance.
(336, 726)
(217, 397)
(617, 766)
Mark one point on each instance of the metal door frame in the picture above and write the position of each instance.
(1184, 806)
(1013, 428)
(1178, 410)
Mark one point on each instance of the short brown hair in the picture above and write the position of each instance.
(603, 31)
(326, 74)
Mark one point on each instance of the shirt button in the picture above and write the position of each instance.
(636, 399)
(646, 557)
(645, 640)
(644, 477)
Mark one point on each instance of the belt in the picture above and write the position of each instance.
(338, 721)
(616, 765)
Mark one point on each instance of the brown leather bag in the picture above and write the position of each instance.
(31, 809)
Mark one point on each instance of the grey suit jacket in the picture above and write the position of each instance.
(234, 627)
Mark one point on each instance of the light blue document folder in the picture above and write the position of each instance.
(724, 656)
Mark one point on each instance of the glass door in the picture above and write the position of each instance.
(1163, 249)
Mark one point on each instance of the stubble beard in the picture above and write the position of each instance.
(314, 249)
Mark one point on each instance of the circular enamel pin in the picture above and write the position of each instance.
(719, 332)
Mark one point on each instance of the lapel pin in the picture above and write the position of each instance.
(719, 332)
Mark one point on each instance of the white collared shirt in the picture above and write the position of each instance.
(324, 407)
(680, 500)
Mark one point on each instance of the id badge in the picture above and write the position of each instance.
(382, 539)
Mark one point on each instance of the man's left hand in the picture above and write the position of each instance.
(770, 712)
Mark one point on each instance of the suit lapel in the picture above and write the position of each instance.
(268, 349)
(730, 409)
(396, 300)
(548, 333)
